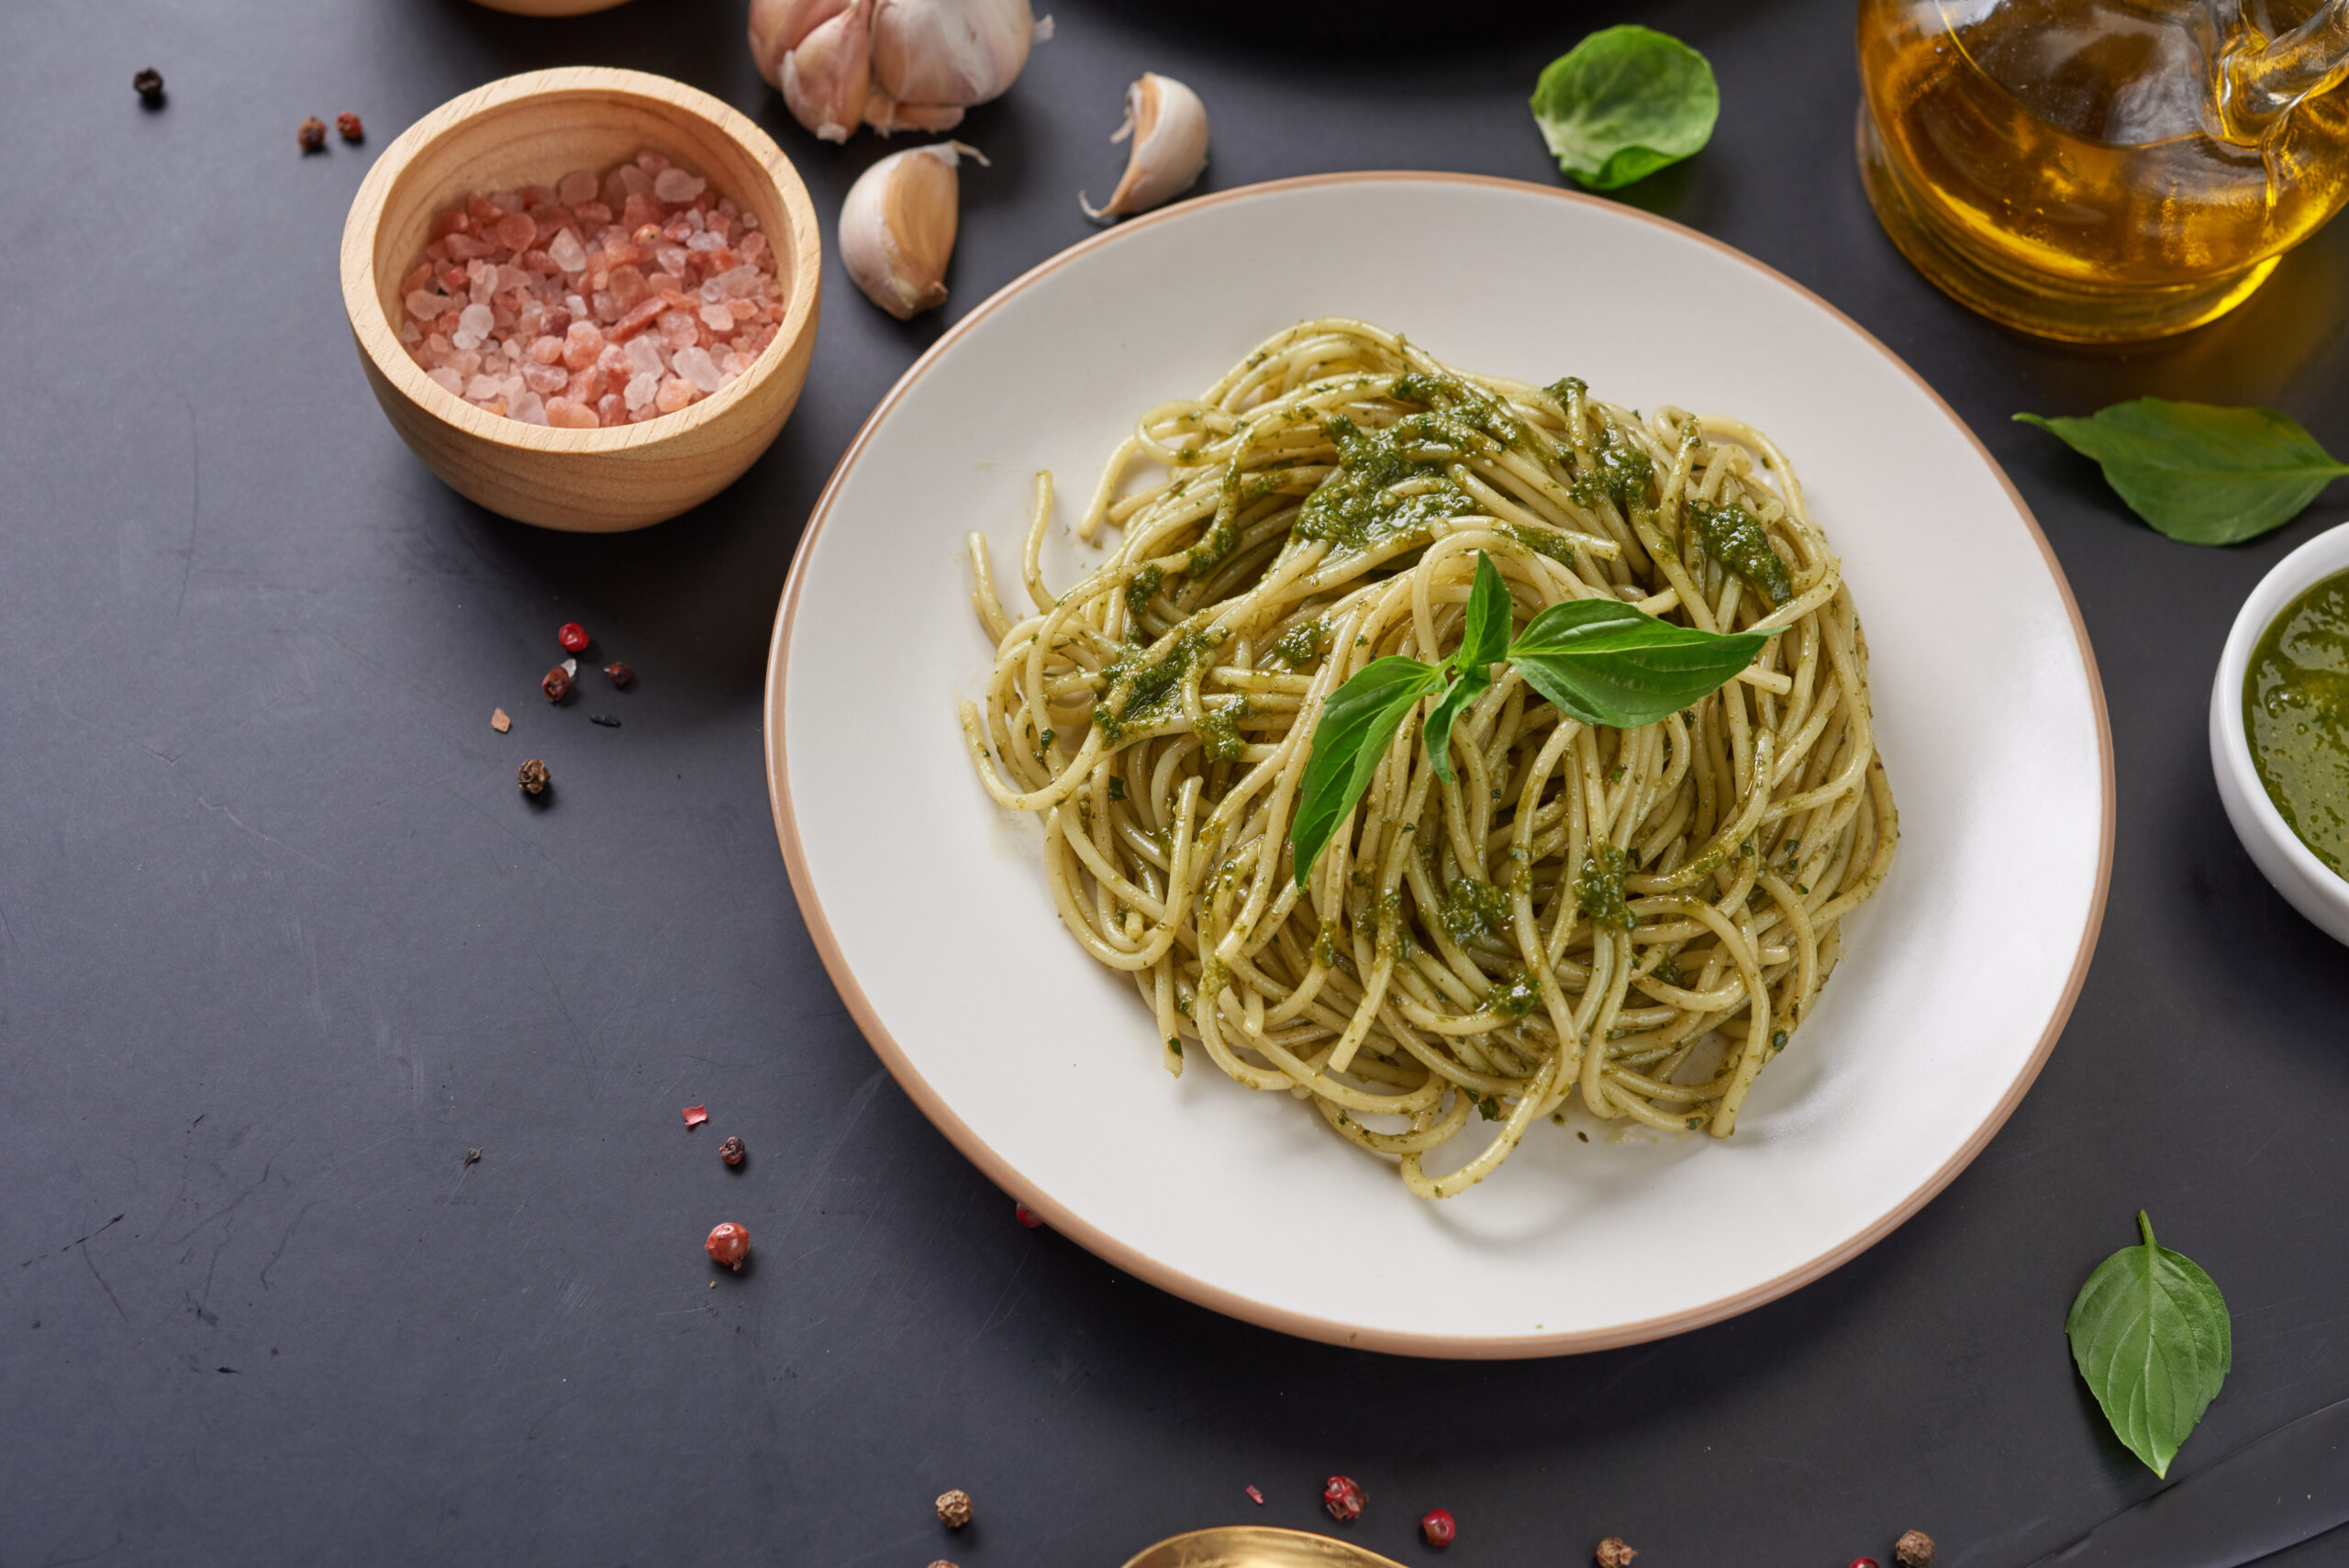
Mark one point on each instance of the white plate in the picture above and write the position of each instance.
(929, 905)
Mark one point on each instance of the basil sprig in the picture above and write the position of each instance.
(1624, 103)
(2151, 1335)
(1600, 660)
(2199, 472)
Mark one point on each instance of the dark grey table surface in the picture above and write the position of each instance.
(279, 941)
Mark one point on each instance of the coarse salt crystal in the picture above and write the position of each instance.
(639, 391)
(566, 414)
(447, 378)
(716, 318)
(476, 319)
(426, 304)
(566, 251)
(484, 386)
(577, 186)
(528, 408)
(676, 185)
(644, 357)
(696, 366)
(676, 393)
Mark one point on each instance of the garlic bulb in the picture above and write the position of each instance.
(897, 227)
(892, 64)
(1169, 127)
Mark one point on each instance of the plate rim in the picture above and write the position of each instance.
(1131, 1259)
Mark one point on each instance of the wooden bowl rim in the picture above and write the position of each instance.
(362, 303)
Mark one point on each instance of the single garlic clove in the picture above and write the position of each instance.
(885, 115)
(826, 75)
(949, 53)
(778, 25)
(1169, 127)
(897, 227)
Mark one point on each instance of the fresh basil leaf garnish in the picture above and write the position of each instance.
(2151, 1335)
(1606, 662)
(1483, 641)
(1437, 733)
(2200, 472)
(1624, 103)
(1356, 724)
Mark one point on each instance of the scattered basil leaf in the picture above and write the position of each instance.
(1605, 662)
(2200, 472)
(2151, 1335)
(1624, 103)
(1483, 640)
(1356, 724)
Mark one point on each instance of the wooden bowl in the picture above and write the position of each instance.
(530, 129)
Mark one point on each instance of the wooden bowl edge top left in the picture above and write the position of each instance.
(393, 372)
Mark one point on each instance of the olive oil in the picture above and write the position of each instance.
(2101, 170)
(2296, 715)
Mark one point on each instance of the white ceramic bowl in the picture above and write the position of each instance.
(2307, 882)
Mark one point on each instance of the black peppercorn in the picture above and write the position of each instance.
(312, 135)
(622, 676)
(532, 777)
(150, 83)
(731, 1151)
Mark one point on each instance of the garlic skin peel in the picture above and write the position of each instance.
(1169, 127)
(897, 227)
(892, 64)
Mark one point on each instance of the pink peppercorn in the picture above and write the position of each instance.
(1438, 1527)
(1343, 1498)
(1026, 1216)
(573, 636)
(728, 1244)
(1865, 1562)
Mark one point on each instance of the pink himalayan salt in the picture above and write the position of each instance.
(554, 306)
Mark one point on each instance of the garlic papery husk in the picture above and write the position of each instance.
(1169, 127)
(885, 115)
(777, 26)
(897, 227)
(828, 74)
(945, 54)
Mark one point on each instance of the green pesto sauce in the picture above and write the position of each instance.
(1516, 997)
(2296, 712)
(1473, 908)
(1150, 690)
(1220, 730)
(1543, 541)
(1140, 591)
(1622, 472)
(1599, 889)
(1732, 537)
(1302, 644)
(1354, 507)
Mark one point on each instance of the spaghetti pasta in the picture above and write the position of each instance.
(1640, 918)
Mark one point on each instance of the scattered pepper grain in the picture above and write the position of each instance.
(731, 1152)
(1914, 1550)
(728, 1244)
(312, 135)
(605, 720)
(573, 636)
(557, 684)
(532, 777)
(1439, 1527)
(1026, 1216)
(1613, 1553)
(150, 83)
(1344, 1497)
(498, 721)
(954, 1509)
(473, 1156)
(347, 123)
(622, 676)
